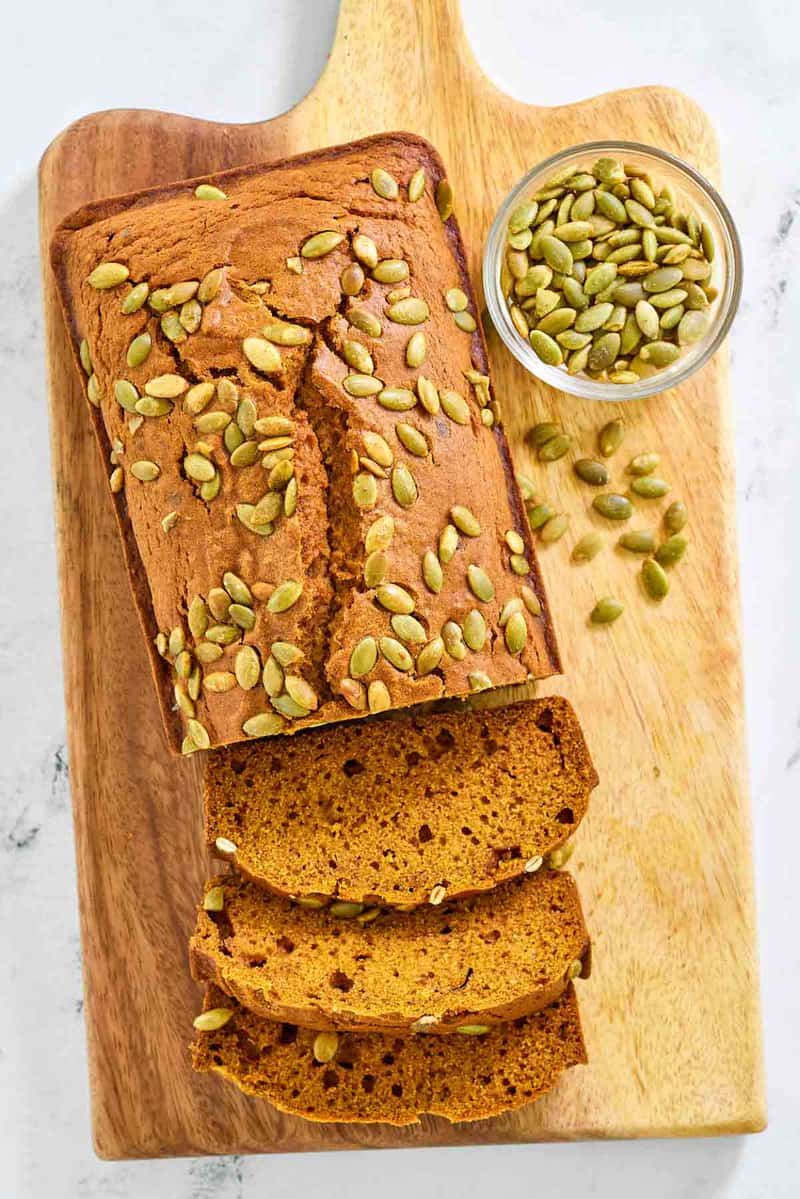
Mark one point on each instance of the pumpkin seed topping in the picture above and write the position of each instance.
(384, 185)
(416, 185)
(395, 598)
(378, 697)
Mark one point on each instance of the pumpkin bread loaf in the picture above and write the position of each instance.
(402, 811)
(385, 1078)
(289, 386)
(481, 961)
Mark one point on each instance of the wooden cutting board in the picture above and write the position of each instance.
(663, 860)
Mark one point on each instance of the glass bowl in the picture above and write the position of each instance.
(693, 193)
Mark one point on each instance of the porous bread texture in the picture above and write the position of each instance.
(388, 811)
(181, 542)
(389, 1079)
(483, 960)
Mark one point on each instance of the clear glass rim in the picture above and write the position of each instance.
(576, 384)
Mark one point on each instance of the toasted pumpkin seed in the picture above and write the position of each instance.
(606, 610)
(301, 692)
(395, 598)
(465, 321)
(404, 486)
(411, 438)
(555, 448)
(444, 199)
(465, 521)
(554, 528)
(587, 548)
(475, 630)
(320, 244)
(108, 275)
(416, 185)
(430, 656)
(378, 697)
(671, 550)
(610, 437)
(397, 399)
(384, 185)
(649, 487)
(643, 464)
(410, 311)
(613, 506)
(479, 681)
(285, 595)
(675, 517)
(654, 579)
(591, 472)
(455, 406)
(638, 541)
(448, 543)
(261, 354)
(516, 633)
(480, 584)
(539, 514)
(365, 490)
(145, 471)
(264, 724)
(432, 571)
(363, 657)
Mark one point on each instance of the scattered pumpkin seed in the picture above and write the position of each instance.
(591, 472)
(675, 517)
(587, 548)
(638, 541)
(554, 528)
(555, 448)
(671, 551)
(643, 464)
(610, 437)
(444, 199)
(649, 487)
(606, 610)
(613, 506)
(654, 579)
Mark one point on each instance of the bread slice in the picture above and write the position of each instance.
(383, 1078)
(402, 811)
(483, 960)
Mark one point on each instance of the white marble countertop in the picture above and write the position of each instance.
(740, 60)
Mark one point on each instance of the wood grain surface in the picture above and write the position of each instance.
(671, 1013)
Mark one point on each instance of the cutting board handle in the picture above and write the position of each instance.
(373, 37)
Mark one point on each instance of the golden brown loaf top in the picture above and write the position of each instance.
(482, 961)
(397, 811)
(385, 1078)
(289, 384)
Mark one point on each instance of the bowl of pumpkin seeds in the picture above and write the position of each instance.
(613, 271)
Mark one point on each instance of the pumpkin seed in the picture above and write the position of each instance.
(646, 318)
(612, 506)
(219, 681)
(408, 629)
(135, 298)
(519, 564)
(320, 244)
(264, 724)
(404, 486)
(593, 318)
(509, 607)
(108, 275)
(139, 349)
(396, 654)
(668, 299)
(643, 464)
(453, 639)
(556, 254)
(649, 487)
(587, 548)
(475, 630)
(654, 579)
(365, 490)
(416, 349)
(539, 514)
(247, 668)
(284, 596)
(430, 656)
(479, 681)
(432, 571)
(516, 633)
(351, 279)
(395, 598)
(606, 610)
(207, 191)
(675, 517)
(125, 394)
(604, 351)
(93, 390)
(638, 541)
(145, 471)
(671, 550)
(411, 311)
(444, 199)
(416, 185)
(455, 406)
(384, 185)
(261, 354)
(390, 270)
(465, 321)
(692, 327)
(531, 600)
(198, 468)
(301, 692)
(555, 448)
(448, 543)
(554, 528)
(591, 472)
(543, 432)
(363, 657)
(397, 399)
(480, 584)
(272, 677)
(610, 437)
(379, 535)
(465, 521)
(557, 321)
(282, 333)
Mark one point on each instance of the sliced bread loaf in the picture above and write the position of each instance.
(383, 1078)
(402, 811)
(483, 960)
